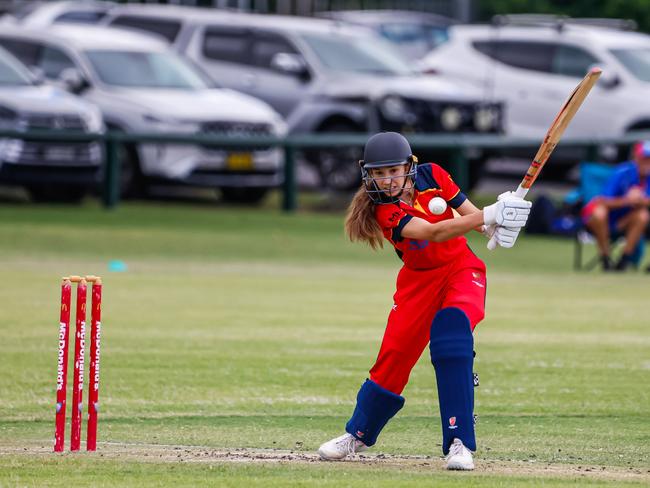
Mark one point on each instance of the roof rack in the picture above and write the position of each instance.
(560, 21)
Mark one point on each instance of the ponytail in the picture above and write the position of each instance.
(360, 222)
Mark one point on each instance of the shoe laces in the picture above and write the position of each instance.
(349, 443)
(455, 449)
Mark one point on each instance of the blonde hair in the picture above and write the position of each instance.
(360, 222)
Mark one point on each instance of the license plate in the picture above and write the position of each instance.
(60, 153)
(239, 161)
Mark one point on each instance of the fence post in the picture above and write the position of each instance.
(459, 167)
(111, 194)
(592, 153)
(289, 187)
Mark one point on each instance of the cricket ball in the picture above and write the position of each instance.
(437, 205)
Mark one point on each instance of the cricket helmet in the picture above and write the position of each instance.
(383, 150)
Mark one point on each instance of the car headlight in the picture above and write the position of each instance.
(94, 121)
(486, 118)
(279, 127)
(393, 108)
(169, 124)
(451, 118)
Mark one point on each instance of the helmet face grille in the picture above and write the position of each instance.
(384, 150)
(373, 189)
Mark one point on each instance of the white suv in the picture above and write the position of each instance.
(534, 67)
(142, 87)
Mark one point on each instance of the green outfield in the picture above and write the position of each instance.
(235, 342)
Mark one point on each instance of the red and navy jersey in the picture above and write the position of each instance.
(430, 181)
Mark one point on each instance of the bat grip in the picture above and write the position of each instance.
(520, 192)
(492, 243)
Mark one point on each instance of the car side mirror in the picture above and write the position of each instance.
(291, 64)
(38, 74)
(72, 80)
(609, 78)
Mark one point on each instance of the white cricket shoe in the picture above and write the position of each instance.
(341, 447)
(459, 457)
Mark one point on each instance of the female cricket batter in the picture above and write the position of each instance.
(440, 294)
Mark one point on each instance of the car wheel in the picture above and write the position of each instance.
(475, 170)
(243, 196)
(56, 194)
(132, 181)
(338, 168)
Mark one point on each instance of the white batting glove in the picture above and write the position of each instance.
(489, 230)
(511, 211)
(506, 236)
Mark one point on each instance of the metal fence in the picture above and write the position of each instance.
(456, 146)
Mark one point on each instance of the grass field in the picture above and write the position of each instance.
(235, 343)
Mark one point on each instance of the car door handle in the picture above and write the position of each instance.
(553, 94)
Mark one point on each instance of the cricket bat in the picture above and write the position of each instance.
(555, 131)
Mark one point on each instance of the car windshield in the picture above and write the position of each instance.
(357, 54)
(144, 70)
(11, 73)
(636, 60)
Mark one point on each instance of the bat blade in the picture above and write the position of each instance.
(559, 125)
(554, 134)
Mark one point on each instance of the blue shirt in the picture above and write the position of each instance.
(624, 178)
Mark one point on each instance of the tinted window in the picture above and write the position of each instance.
(166, 28)
(81, 17)
(637, 60)
(357, 54)
(572, 61)
(53, 62)
(27, 52)
(11, 72)
(265, 46)
(533, 56)
(144, 70)
(227, 45)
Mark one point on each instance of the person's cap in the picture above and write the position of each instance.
(642, 149)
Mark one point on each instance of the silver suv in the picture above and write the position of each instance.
(532, 65)
(322, 76)
(50, 170)
(141, 86)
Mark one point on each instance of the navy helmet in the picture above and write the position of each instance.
(383, 150)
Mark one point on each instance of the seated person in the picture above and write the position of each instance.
(622, 209)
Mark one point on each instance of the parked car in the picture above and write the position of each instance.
(49, 169)
(142, 87)
(415, 34)
(36, 15)
(534, 67)
(322, 76)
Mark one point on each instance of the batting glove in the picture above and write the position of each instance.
(506, 236)
(511, 211)
(489, 230)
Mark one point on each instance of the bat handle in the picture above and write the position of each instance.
(492, 243)
(520, 192)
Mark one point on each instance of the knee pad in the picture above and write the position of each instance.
(452, 355)
(451, 335)
(375, 407)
